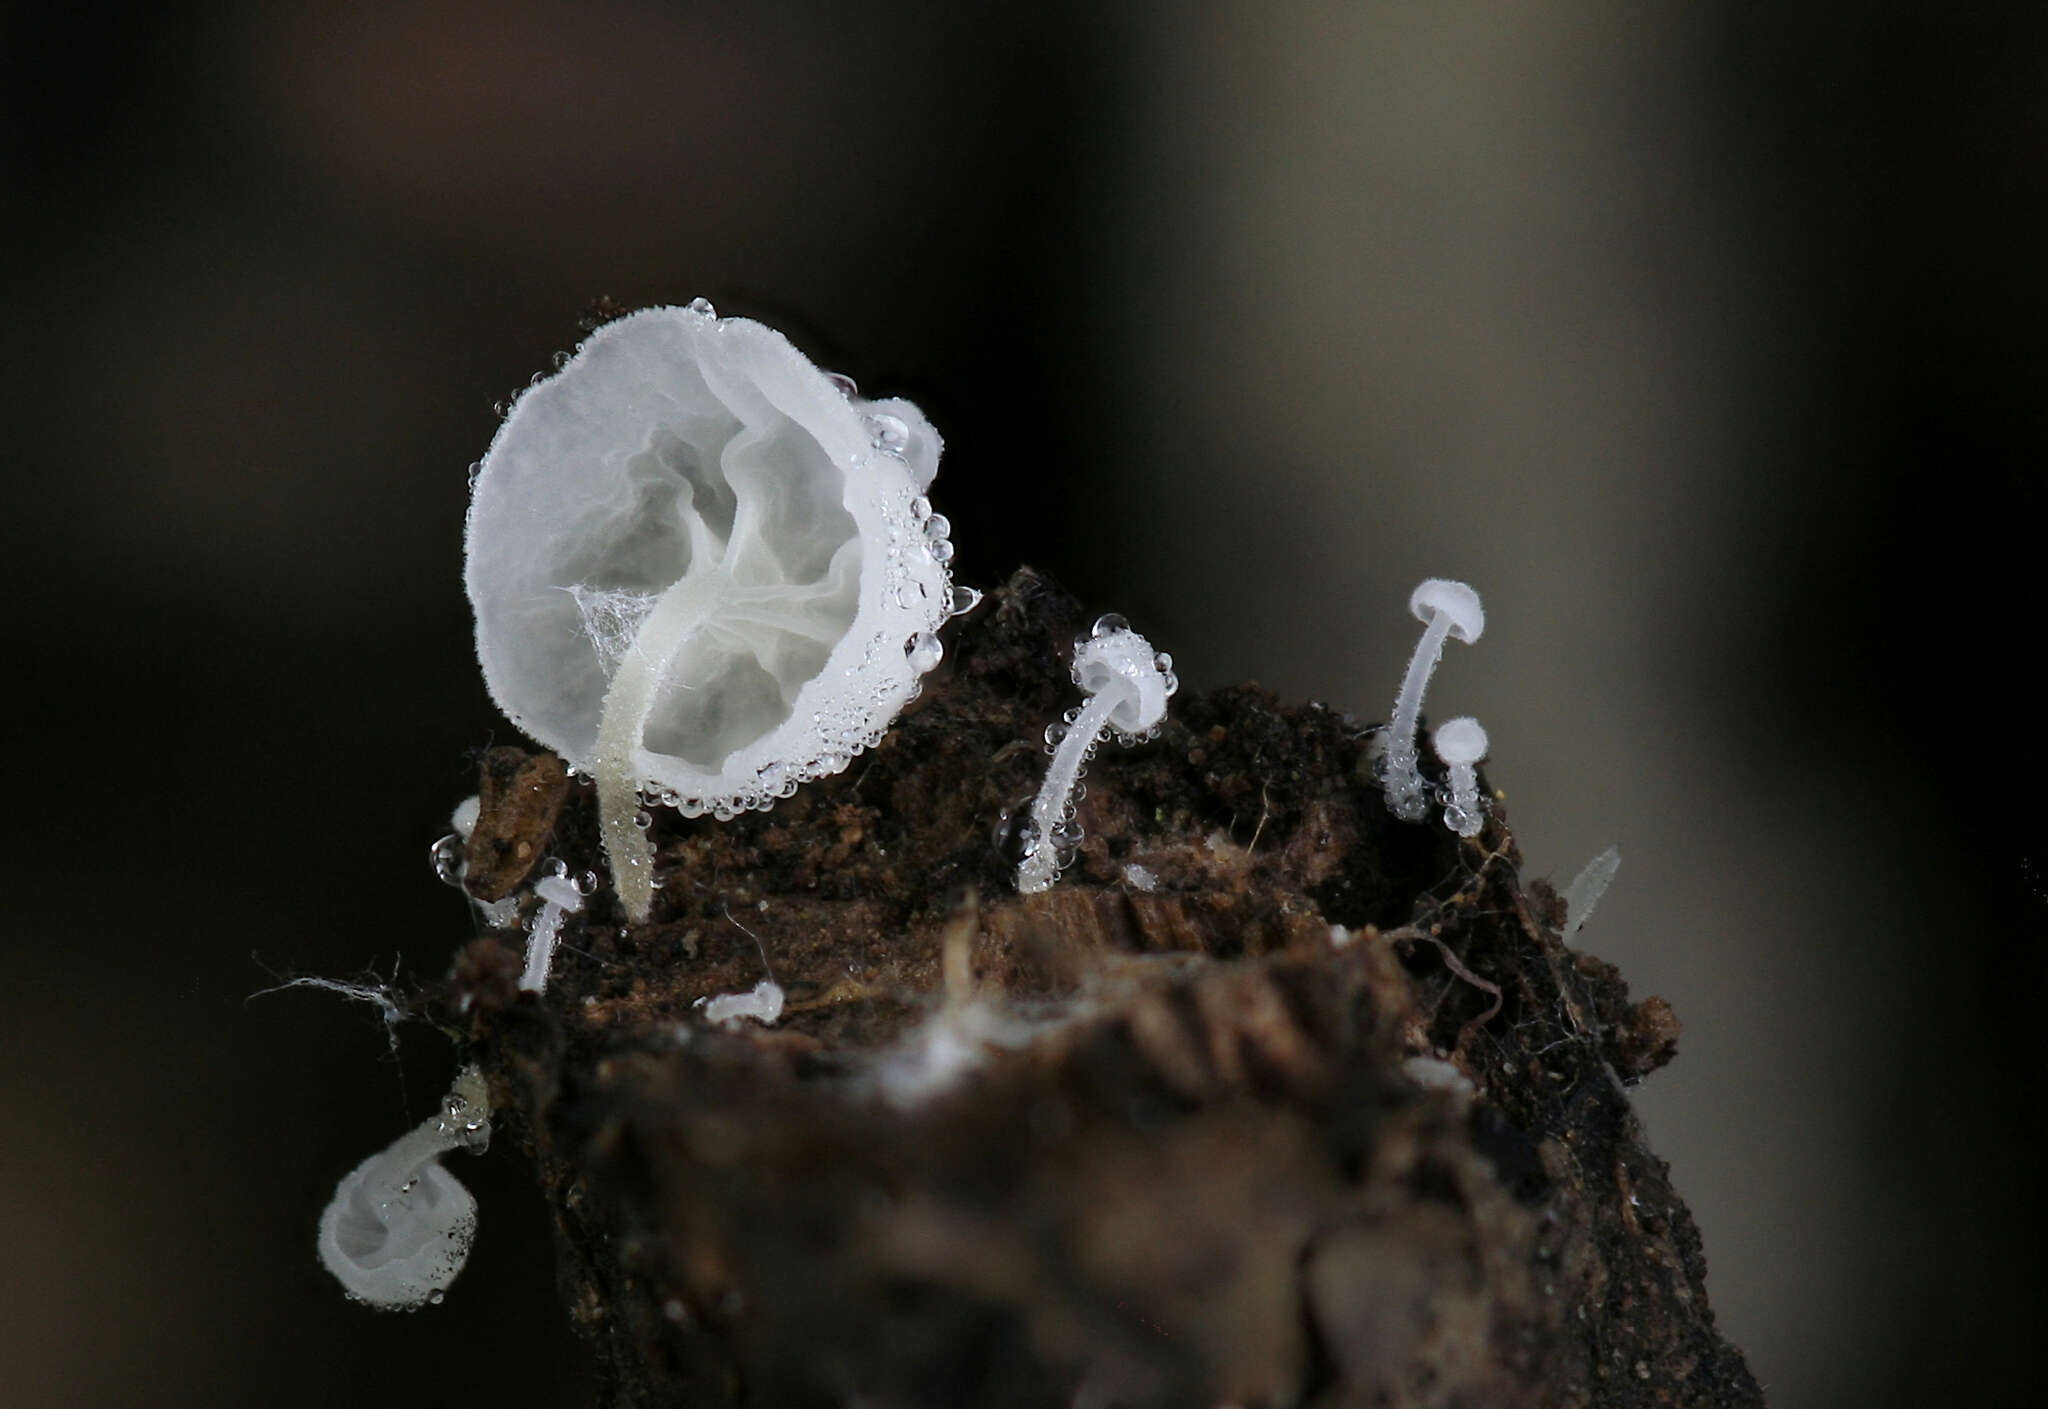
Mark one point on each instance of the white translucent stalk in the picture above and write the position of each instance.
(399, 1226)
(540, 947)
(1404, 780)
(1048, 810)
(1463, 814)
(682, 611)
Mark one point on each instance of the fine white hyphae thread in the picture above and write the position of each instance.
(1127, 685)
(1588, 886)
(762, 1003)
(610, 619)
(399, 1227)
(1447, 610)
(704, 572)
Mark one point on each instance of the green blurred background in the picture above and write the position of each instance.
(1703, 338)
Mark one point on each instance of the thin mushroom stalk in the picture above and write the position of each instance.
(682, 612)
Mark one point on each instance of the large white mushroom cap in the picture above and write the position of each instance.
(704, 461)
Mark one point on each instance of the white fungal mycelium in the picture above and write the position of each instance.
(1461, 743)
(704, 571)
(1127, 685)
(763, 1003)
(1446, 609)
(399, 1227)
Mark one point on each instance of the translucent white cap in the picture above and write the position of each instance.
(1460, 740)
(681, 456)
(1123, 661)
(1439, 596)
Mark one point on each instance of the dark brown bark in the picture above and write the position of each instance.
(1208, 1171)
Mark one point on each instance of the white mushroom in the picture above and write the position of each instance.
(1127, 687)
(399, 1227)
(703, 570)
(1447, 609)
(1461, 743)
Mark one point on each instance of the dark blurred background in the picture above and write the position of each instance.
(1704, 339)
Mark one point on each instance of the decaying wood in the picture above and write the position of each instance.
(1221, 1152)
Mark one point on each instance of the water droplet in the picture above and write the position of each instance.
(586, 884)
(962, 600)
(921, 507)
(1014, 836)
(437, 1297)
(643, 819)
(445, 856)
(844, 383)
(938, 526)
(923, 651)
(501, 409)
(1108, 622)
(1171, 681)
(891, 435)
(1054, 732)
(942, 550)
(561, 360)
(1073, 715)
(1162, 661)
(702, 308)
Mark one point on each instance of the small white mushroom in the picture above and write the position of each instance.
(399, 1227)
(703, 570)
(1461, 743)
(1445, 608)
(1127, 685)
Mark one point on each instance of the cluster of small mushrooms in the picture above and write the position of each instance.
(704, 573)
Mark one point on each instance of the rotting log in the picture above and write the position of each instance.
(1287, 1102)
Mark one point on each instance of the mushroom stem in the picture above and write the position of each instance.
(1041, 867)
(1403, 780)
(682, 611)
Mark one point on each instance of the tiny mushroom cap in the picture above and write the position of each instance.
(1121, 665)
(1460, 741)
(1454, 600)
